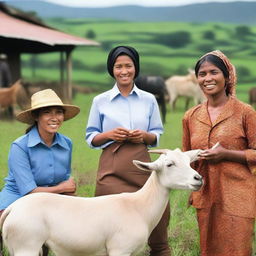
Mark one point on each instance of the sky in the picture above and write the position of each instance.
(107, 3)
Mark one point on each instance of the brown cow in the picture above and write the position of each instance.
(8, 95)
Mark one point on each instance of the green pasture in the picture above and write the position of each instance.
(183, 231)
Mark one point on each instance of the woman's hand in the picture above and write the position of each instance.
(136, 136)
(118, 134)
(215, 154)
(68, 187)
(218, 153)
(121, 134)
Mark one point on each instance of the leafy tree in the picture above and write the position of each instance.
(209, 35)
(106, 45)
(243, 73)
(90, 34)
(242, 31)
(176, 39)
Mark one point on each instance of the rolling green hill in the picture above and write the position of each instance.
(166, 49)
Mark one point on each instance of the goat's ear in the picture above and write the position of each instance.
(177, 149)
(193, 154)
(149, 167)
(159, 151)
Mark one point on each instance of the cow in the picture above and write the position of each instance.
(156, 86)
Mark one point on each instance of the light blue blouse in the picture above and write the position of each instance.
(137, 111)
(32, 163)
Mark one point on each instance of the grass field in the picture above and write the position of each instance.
(183, 232)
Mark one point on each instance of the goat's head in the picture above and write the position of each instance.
(173, 168)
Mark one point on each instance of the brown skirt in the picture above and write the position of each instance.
(117, 173)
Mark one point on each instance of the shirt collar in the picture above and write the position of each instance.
(35, 139)
(114, 92)
(226, 112)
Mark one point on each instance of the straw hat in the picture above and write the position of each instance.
(46, 98)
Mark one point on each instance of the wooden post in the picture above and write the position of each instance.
(15, 67)
(69, 76)
(62, 67)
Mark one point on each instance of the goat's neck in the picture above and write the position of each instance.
(151, 200)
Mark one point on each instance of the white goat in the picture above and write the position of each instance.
(114, 225)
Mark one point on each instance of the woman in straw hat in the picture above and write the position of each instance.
(226, 204)
(124, 122)
(40, 160)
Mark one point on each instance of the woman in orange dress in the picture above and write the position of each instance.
(226, 205)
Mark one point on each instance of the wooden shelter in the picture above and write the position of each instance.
(20, 33)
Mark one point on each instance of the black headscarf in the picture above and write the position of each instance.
(127, 50)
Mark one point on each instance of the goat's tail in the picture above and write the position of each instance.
(4, 216)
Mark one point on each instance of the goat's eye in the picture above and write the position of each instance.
(169, 165)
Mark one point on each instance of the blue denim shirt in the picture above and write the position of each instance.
(32, 164)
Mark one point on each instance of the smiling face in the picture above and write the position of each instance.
(124, 71)
(49, 121)
(211, 79)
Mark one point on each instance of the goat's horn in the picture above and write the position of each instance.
(159, 151)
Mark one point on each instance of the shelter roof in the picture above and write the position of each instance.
(31, 34)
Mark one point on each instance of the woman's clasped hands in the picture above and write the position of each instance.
(121, 134)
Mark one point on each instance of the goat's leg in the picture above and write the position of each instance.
(28, 252)
(22, 249)
(45, 250)
(171, 101)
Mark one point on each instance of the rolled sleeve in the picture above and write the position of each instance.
(68, 174)
(157, 141)
(155, 125)
(94, 124)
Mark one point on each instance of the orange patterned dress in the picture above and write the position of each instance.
(226, 205)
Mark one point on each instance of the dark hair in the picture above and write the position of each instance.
(34, 113)
(215, 60)
(123, 50)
